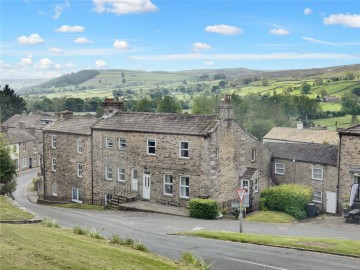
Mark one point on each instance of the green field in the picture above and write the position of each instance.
(9, 212)
(330, 123)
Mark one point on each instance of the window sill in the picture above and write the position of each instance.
(108, 179)
(184, 198)
(280, 173)
(184, 158)
(121, 181)
(76, 201)
(168, 195)
(316, 179)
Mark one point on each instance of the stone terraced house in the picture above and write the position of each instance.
(309, 164)
(349, 164)
(164, 158)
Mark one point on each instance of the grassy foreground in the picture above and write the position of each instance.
(325, 245)
(39, 247)
(9, 212)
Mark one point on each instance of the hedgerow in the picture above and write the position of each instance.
(203, 208)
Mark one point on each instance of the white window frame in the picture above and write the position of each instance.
(256, 185)
(317, 176)
(53, 141)
(245, 183)
(35, 157)
(54, 189)
(187, 187)
(184, 152)
(151, 147)
(168, 176)
(53, 164)
(134, 174)
(121, 143)
(121, 174)
(79, 146)
(277, 169)
(79, 170)
(109, 143)
(253, 154)
(24, 162)
(108, 172)
(24, 146)
(78, 195)
(319, 195)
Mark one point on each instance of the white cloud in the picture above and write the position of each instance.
(124, 6)
(209, 63)
(100, 63)
(33, 39)
(26, 61)
(120, 44)
(350, 20)
(198, 46)
(72, 29)
(224, 29)
(45, 63)
(56, 50)
(69, 65)
(60, 8)
(321, 41)
(307, 11)
(82, 40)
(279, 32)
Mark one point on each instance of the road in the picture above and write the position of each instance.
(153, 230)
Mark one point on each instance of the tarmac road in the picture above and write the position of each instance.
(152, 229)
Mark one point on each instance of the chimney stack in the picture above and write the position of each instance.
(111, 105)
(226, 110)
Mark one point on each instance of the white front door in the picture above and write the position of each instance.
(331, 202)
(146, 185)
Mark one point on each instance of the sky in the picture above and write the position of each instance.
(49, 38)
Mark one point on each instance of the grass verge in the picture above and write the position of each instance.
(324, 245)
(79, 206)
(11, 212)
(30, 247)
(270, 217)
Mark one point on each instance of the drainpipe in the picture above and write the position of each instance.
(92, 169)
(338, 180)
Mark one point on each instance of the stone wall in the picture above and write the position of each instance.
(67, 158)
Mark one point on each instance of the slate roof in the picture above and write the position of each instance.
(248, 173)
(165, 123)
(353, 130)
(306, 135)
(306, 152)
(19, 135)
(30, 120)
(75, 125)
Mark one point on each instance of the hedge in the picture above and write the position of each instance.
(288, 198)
(203, 208)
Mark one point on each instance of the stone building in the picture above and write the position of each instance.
(25, 132)
(67, 159)
(164, 158)
(313, 165)
(349, 163)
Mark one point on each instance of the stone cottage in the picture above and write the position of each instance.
(309, 164)
(67, 159)
(164, 158)
(349, 164)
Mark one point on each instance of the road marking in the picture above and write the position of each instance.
(259, 264)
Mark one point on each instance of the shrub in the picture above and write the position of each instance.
(291, 199)
(262, 204)
(81, 231)
(128, 242)
(203, 208)
(49, 222)
(94, 234)
(190, 259)
(140, 246)
(116, 240)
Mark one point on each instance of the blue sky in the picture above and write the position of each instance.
(48, 38)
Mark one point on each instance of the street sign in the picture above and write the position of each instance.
(241, 193)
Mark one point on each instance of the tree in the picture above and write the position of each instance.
(10, 103)
(219, 77)
(350, 104)
(169, 105)
(222, 84)
(7, 168)
(145, 105)
(203, 105)
(322, 92)
(318, 81)
(305, 88)
(350, 75)
(264, 82)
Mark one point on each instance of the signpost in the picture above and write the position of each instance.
(241, 193)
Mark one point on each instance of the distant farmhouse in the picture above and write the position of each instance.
(164, 158)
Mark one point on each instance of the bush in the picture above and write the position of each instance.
(81, 231)
(49, 222)
(203, 208)
(291, 199)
